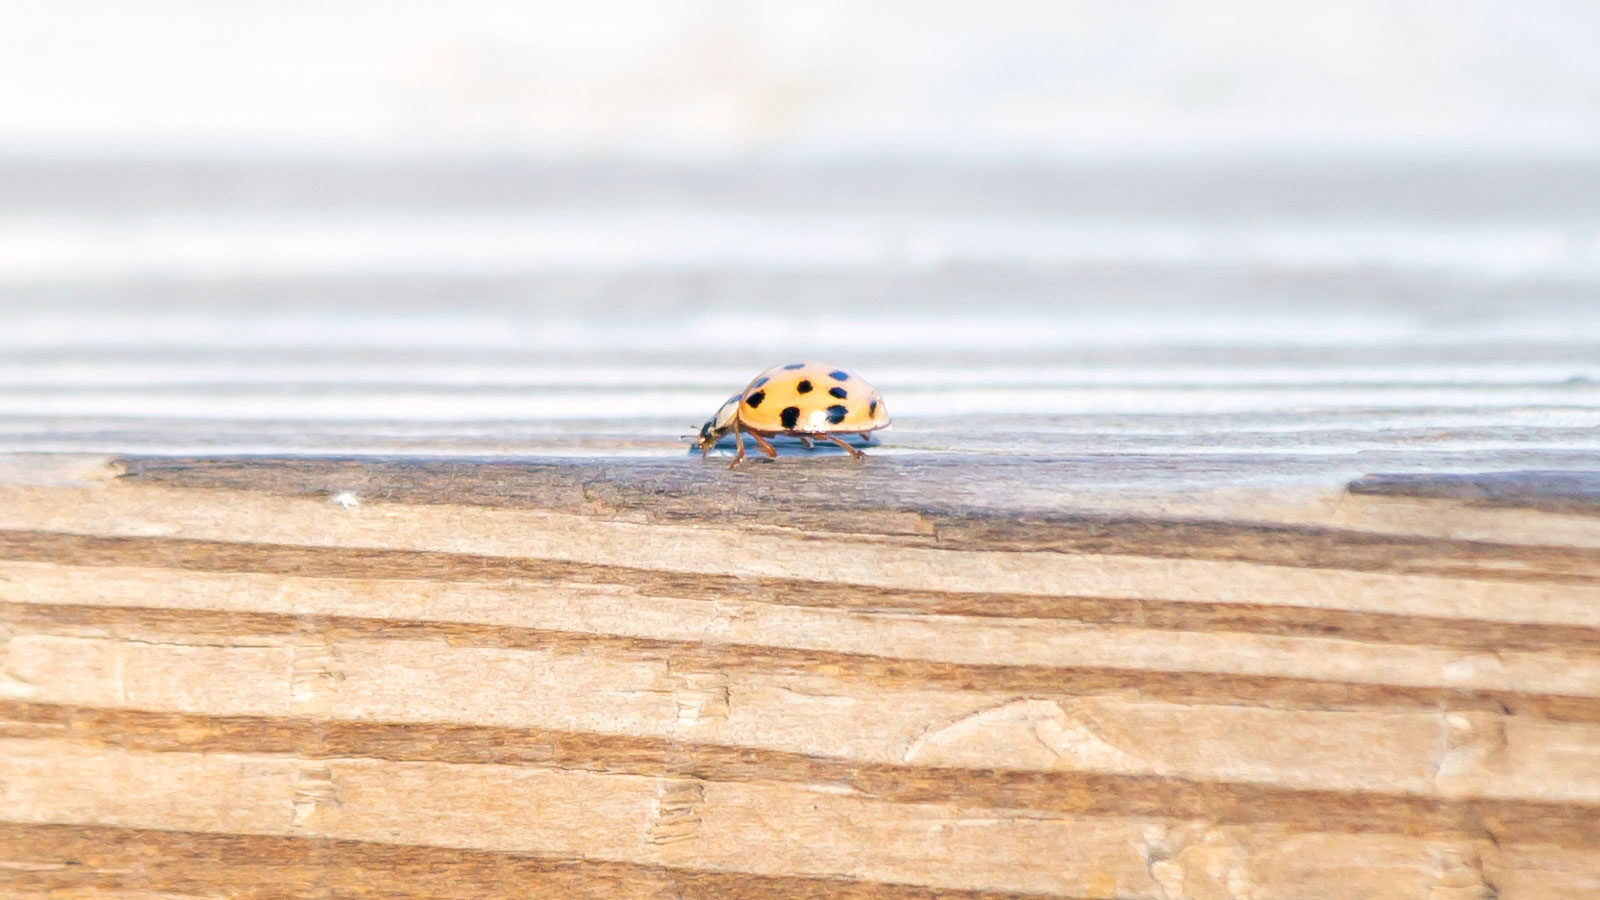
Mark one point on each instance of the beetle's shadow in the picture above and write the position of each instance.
(786, 446)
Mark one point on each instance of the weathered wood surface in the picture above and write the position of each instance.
(1237, 534)
(257, 677)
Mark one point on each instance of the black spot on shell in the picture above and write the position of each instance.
(803, 387)
(795, 366)
(836, 413)
(760, 381)
(789, 416)
(872, 408)
(755, 398)
(839, 375)
(839, 392)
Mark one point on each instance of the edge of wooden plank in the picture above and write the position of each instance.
(876, 504)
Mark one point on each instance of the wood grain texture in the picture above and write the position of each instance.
(88, 861)
(1564, 491)
(502, 679)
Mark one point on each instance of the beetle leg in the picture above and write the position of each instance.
(806, 442)
(738, 439)
(847, 448)
(765, 447)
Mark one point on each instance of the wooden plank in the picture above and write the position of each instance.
(706, 688)
(1236, 536)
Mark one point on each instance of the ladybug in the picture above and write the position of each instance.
(804, 400)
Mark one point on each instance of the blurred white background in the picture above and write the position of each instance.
(734, 78)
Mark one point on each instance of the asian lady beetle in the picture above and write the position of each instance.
(804, 400)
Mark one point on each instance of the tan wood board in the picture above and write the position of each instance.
(501, 679)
